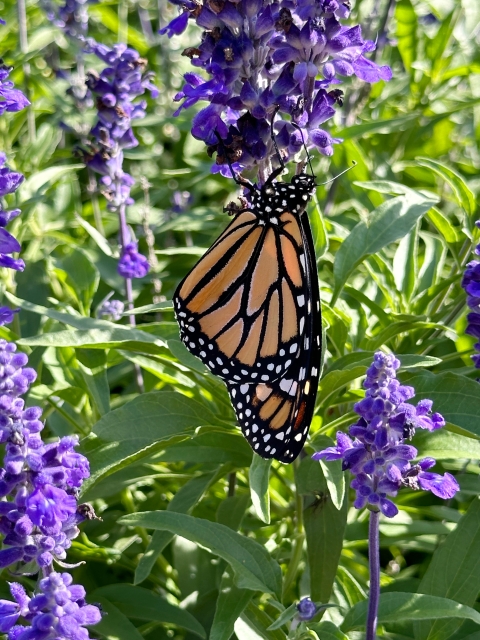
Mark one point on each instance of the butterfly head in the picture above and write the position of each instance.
(304, 184)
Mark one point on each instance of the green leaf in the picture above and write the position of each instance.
(258, 478)
(456, 397)
(213, 447)
(384, 186)
(284, 617)
(40, 179)
(454, 573)
(443, 226)
(254, 568)
(398, 607)
(445, 445)
(319, 232)
(324, 528)
(180, 351)
(405, 264)
(327, 630)
(334, 381)
(231, 510)
(114, 625)
(93, 365)
(114, 336)
(256, 623)
(397, 328)
(388, 223)
(387, 125)
(100, 241)
(436, 46)
(332, 472)
(79, 322)
(406, 32)
(183, 502)
(231, 603)
(143, 604)
(82, 277)
(139, 428)
(109, 18)
(151, 308)
(463, 194)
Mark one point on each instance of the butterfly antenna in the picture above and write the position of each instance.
(354, 164)
(309, 157)
(240, 181)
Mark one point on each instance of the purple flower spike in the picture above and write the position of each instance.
(375, 450)
(39, 514)
(269, 60)
(72, 17)
(132, 264)
(9, 183)
(117, 90)
(58, 611)
(471, 284)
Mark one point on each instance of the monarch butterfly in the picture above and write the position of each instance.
(250, 310)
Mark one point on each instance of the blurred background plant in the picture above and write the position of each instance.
(392, 237)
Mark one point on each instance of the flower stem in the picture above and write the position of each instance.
(23, 39)
(124, 239)
(374, 564)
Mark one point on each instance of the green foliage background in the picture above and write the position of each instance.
(197, 539)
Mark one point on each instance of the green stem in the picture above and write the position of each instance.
(130, 507)
(123, 21)
(23, 38)
(297, 553)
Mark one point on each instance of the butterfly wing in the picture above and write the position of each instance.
(275, 417)
(241, 309)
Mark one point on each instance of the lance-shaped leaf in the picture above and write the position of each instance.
(254, 568)
(398, 607)
(391, 221)
(141, 604)
(140, 428)
(453, 573)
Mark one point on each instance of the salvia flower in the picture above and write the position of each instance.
(110, 309)
(11, 100)
(132, 264)
(38, 482)
(306, 609)
(471, 284)
(71, 16)
(375, 450)
(7, 315)
(57, 610)
(265, 59)
(116, 90)
(180, 201)
(39, 514)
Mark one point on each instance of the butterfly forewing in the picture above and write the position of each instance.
(241, 309)
(275, 417)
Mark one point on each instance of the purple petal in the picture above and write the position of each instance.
(177, 26)
(441, 486)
